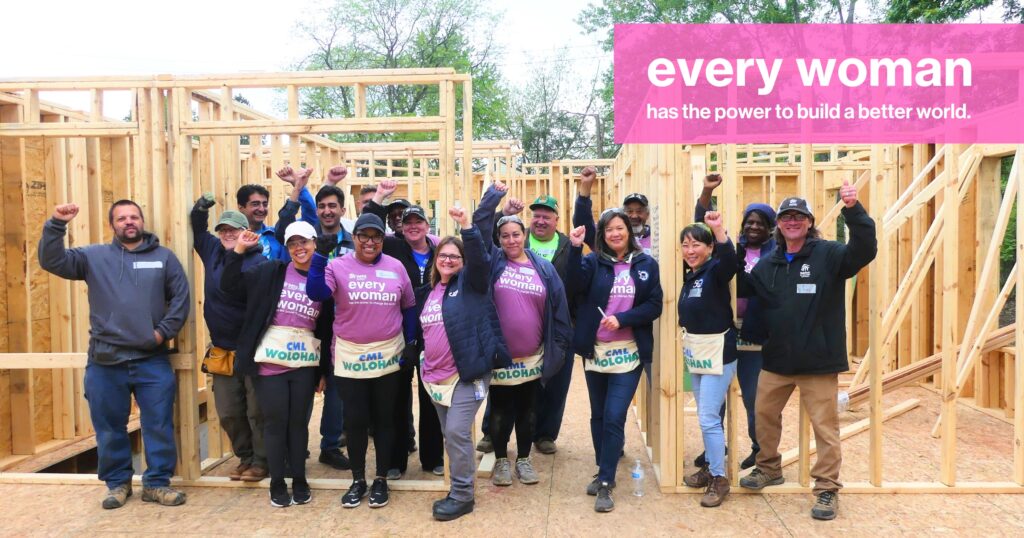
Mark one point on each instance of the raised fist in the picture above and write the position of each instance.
(325, 244)
(714, 220)
(576, 236)
(461, 216)
(588, 175)
(500, 186)
(247, 240)
(287, 175)
(65, 212)
(513, 206)
(387, 187)
(302, 177)
(712, 181)
(206, 201)
(336, 175)
(848, 194)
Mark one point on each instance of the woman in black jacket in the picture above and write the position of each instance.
(620, 295)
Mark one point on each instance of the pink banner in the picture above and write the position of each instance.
(827, 83)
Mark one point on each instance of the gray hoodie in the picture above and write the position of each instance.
(131, 292)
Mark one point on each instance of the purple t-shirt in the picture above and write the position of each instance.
(751, 258)
(368, 299)
(519, 296)
(644, 243)
(294, 309)
(438, 361)
(620, 300)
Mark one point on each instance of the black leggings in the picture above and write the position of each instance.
(431, 440)
(513, 406)
(370, 401)
(285, 400)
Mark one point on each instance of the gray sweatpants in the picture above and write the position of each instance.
(240, 417)
(457, 425)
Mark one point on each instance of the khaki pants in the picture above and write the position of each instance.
(818, 396)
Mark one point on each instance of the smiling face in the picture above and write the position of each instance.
(228, 236)
(126, 220)
(330, 211)
(695, 252)
(395, 219)
(255, 209)
(369, 243)
(794, 225)
(638, 214)
(301, 250)
(448, 261)
(755, 229)
(512, 239)
(414, 228)
(616, 235)
(543, 223)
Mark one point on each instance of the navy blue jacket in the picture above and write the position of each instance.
(592, 277)
(224, 314)
(271, 236)
(705, 302)
(557, 327)
(470, 318)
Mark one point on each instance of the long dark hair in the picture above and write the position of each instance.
(602, 248)
(435, 275)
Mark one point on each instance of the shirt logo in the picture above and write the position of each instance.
(453, 293)
(642, 275)
(698, 283)
(805, 270)
(792, 203)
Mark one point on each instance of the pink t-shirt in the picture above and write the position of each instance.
(519, 296)
(620, 300)
(368, 299)
(438, 361)
(751, 258)
(294, 309)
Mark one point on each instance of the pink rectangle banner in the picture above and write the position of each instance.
(826, 83)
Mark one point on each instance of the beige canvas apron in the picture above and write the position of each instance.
(702, 353)
(442, 391)
(288, 346)
(524, 369)
(367, 361)
(613, 357)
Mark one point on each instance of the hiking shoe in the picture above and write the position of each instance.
(254, 473)
(525, 472)
(546, 446)
(394, 474)
(354, 496)
(236, 473)
(279, 497)
(716, 492)
(502, 473)
(604, 502)
(301, 494)
(335, 459)
(379, 493)
(163, 495)
(438, 471)
(593, 486)
(826, 505)
(758, 479)
(448, 509)
(117, 496)
(699, 479)
(485, 445)
(750, 461)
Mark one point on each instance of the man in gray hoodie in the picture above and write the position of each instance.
(138, 299)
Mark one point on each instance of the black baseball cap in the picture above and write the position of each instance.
(401, 202)
(635, 197)
(414, 211)
(368, 221)
(798, 205)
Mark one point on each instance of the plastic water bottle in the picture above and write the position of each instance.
(638, 479)
(843, 402)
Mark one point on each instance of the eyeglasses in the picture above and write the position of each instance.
(229, 231)
(793, 217)
(364, 238)
(257, 203)
(296, 243)
(449, 257)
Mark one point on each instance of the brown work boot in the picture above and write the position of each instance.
(117, 496)
(236, 473)
(699, 479)
(254, 473)
(716, 492)
(163, 495)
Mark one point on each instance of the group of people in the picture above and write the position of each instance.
(498, 313)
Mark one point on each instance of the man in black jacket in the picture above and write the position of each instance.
(802, 285)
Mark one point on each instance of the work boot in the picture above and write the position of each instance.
(604, 502)
(525, 472)
(236, 473)
(254, 473)
(117, 496)
(485, 445)
(546, 446)
(163, 495)
(750, 461)
(448, 509)
(826, 505)
(699, 479)
(715, 493)
(335, 459)
(594, 484)
(502, 474)
(758, 479)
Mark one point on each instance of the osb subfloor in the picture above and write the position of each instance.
(558, 507)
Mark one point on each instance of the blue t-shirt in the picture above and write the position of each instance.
(421, 262)
(789, 257)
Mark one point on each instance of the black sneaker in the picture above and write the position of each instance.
(750, 461)
(702, 461)
(335, 459)
(379, 493)
(301, 494)
(604, 502)
(354, 496)
(826, 505)
(279, 497)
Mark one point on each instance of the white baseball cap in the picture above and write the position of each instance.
(300, 228)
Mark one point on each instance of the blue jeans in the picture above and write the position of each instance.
(748, 370)
(610, 397)
(710, 392)
(551, 401)
(332, 418)
(109, 389)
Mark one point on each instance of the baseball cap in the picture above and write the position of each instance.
(635, 197)
(300, 228)
(795, 204)
(232, 218)
(414, 211)
(401, 202)
(547, 201)
(368, 221)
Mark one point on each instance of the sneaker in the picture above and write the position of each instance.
(448, 509)
(301, 494)
(604, 502)
(485, 445)
(335, 459)
(394, 474)
(750, 461)
(699, 479)
(546, 446)
(702, 461)
(438, 471)
(163, 495)
(525, 472)
(279, 497)
(593, 486)
(254, 473)
(758, 479)
(716, 492)
(354, 496)
(502, 474)
(117, 496)
(379, 493)
(236, 473)
(826, 505)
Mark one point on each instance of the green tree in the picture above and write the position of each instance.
(933, 11)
